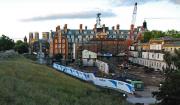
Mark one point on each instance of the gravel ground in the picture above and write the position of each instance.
(149, 79)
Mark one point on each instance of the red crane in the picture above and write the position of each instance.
(131, 35)
(130, 40)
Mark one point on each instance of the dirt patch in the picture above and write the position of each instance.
(150, 79)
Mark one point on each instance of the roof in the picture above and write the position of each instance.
(91, 32)
(173, 44)
(167, 38)
(108, 39)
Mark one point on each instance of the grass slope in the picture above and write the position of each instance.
(23, 82)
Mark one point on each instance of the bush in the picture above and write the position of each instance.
(21, 47)
(8, 54)
(6, 43)
(30, 56)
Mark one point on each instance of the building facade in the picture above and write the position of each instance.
(59, 44)
(96, 39)
(88, 58)
(151, 54)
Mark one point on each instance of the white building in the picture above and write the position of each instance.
(148, 54)
(88, 58)
(102, 66)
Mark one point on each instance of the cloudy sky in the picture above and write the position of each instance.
(19, 17)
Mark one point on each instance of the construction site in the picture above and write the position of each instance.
(109, 46)
(102, 51)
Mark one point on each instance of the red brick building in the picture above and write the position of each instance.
(59, 44)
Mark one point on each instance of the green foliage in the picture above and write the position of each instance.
(21, 47)
(169, 91)
(176, 58)
(173, 33)
(147, 35)
(30, 56)
(25, 83)
(6, 43)
(18, 42)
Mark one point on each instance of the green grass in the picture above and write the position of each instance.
(23, 82)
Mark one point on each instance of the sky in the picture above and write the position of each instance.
(19, 17)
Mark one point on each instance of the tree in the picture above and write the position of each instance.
(21, 47)
(168, 93)
(153, 34)
(147, 36)
(18, 42)
(173, 33)
(6, 43)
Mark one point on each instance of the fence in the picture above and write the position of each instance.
(102, 82)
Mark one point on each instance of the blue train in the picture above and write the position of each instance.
(102, 82)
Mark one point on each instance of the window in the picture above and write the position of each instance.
(76, 40)
(63, 41)
(152, 55)
(55, 45)
(63, 51)
(60, 50)
(72, 36)
(69, 40)
(114, 36)
(59, 46)
(63, 45)
(90, 56)
(56, 41)
(79, 36)
(77, 32)
(69, 32)
(91, 36)
(85, 32)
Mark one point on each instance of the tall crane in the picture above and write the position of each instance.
(130, 40)
(131, 35)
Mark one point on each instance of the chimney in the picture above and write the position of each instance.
(80, 28)
(94, 28)
(104, 30)
(85, 27)
(117, 28)
(145, 25)
(65, 28)
(57, 28)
